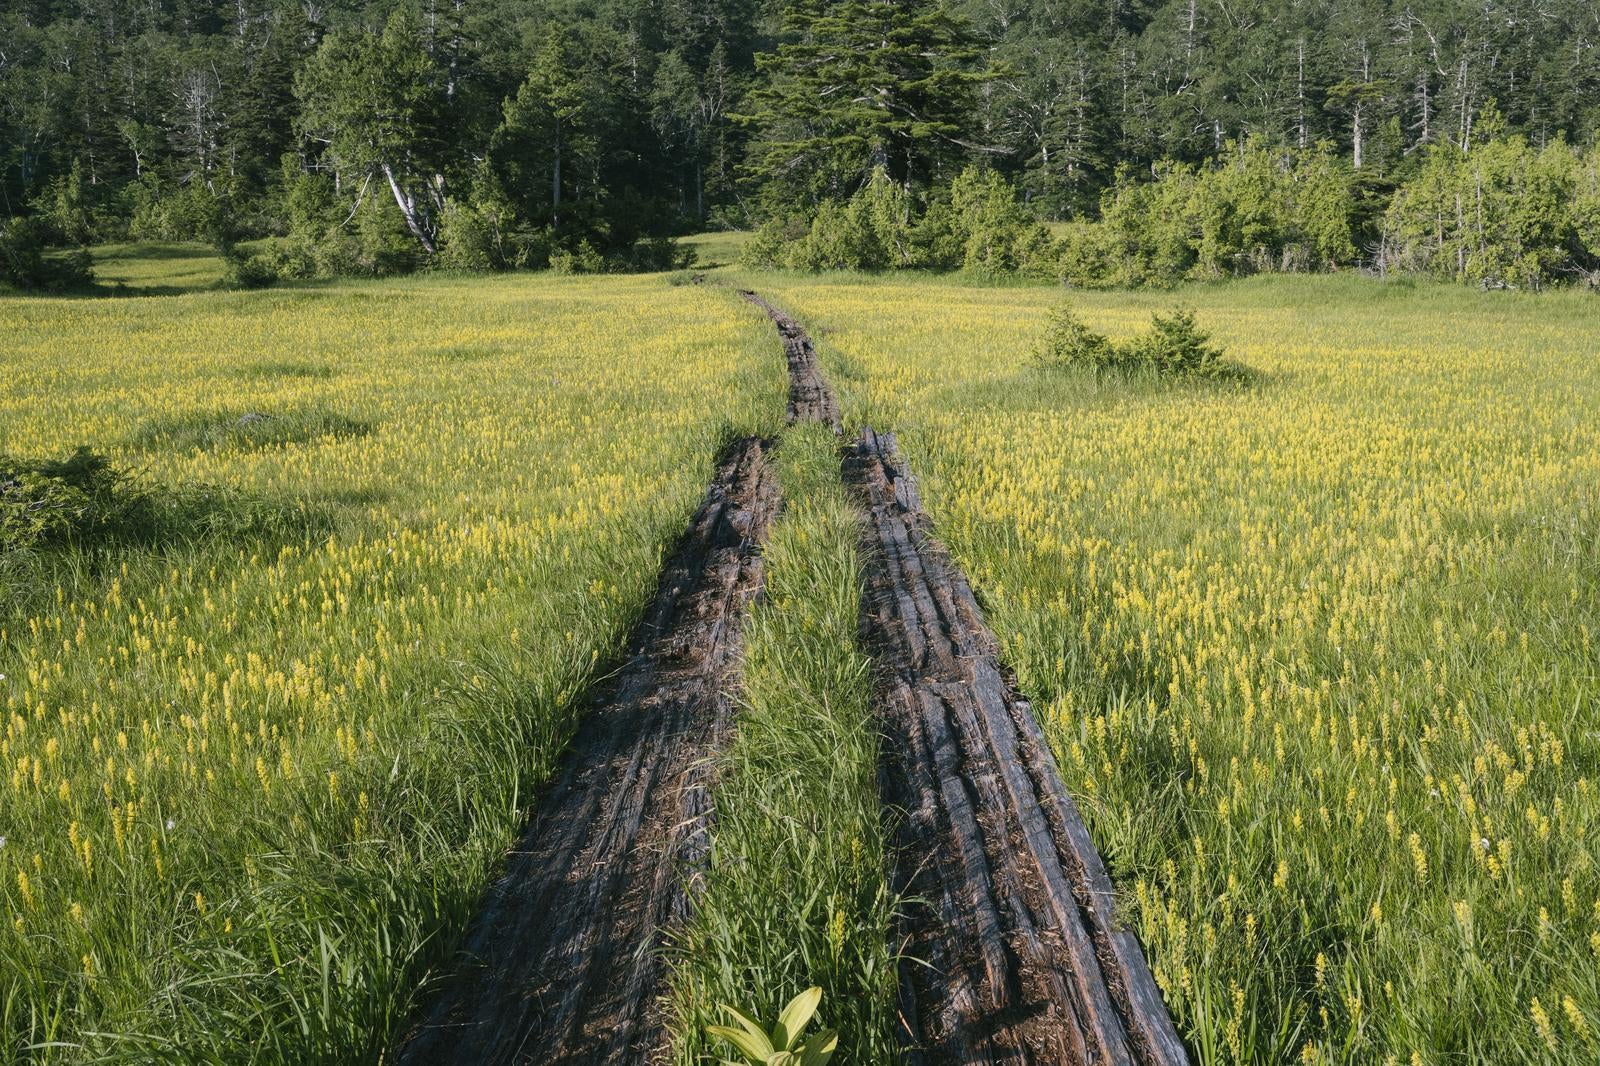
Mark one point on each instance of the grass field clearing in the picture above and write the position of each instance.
(250, 786)
(1316, 655)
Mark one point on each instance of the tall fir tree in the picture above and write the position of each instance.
(860, 85)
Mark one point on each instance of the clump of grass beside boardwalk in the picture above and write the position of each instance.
(798, 890)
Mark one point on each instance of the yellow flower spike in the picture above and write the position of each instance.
(1542, 1025)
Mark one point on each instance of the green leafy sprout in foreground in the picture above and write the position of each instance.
(782, 1044)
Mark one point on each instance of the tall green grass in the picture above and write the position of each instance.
(1316, 656)
(259, 753)
(797, 894)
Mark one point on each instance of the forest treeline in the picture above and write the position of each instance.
(1502, 214)
(1179, 137)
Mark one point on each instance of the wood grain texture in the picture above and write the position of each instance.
(1012, 950)
(810, 399)
(562, 963)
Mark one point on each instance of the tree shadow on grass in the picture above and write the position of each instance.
(227, 430)
(65, 523)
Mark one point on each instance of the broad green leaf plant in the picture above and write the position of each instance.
(782, 1045)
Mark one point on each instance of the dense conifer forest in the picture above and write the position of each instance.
(583, 134)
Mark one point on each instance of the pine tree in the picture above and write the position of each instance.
(861, 84)
(548, 136)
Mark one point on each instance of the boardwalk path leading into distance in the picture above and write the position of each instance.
(1012, 950)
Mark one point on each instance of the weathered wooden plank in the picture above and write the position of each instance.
(810, 399)
(1013, 953)
(562, 963)
(1012, 950)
